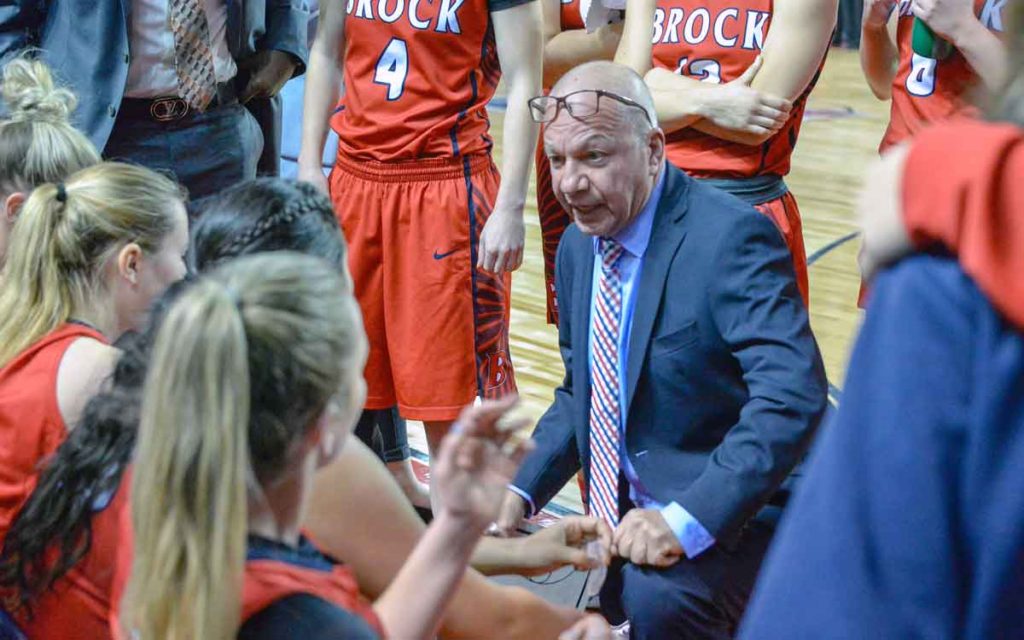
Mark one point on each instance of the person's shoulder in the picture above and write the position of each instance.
(924, 280)
(717, 215)
(304, 615)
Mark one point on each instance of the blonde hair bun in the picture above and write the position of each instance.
(31, 95)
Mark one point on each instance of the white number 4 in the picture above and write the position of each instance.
(392, 68)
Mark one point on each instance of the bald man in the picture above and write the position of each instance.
(692, 383)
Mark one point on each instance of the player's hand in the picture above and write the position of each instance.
(644, 538)
(877, 12)
(564, 543)
(737, 106)
(501, 242)
(270, 70)
(313, 173)
(947, 18)
(513, 510)
(590, 627)
(477, 461)
(881, 214)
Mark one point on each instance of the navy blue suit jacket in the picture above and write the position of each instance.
(85, 42)
(910, 523)
(725, 384)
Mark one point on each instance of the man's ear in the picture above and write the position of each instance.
(128, 259)
(12, 205)
(656, 150)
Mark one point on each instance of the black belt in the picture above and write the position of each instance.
(173, 108)
(755, 190)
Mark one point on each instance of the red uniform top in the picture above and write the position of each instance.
(418, 77)
(716, 42)
(31, 426)
(927, 90)
(267, 581)
(571, 18)
(963, 186)
(78, 605)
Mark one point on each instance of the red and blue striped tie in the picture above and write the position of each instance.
(605, 412)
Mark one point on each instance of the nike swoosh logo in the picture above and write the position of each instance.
(441, 256)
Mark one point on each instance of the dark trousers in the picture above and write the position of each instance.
(206, 152)
(697, 599)
(384, 431)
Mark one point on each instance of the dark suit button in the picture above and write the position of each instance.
(126, 58)
(112, 111)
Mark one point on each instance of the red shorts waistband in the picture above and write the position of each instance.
(426, 170)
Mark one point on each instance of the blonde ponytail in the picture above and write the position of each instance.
(37, 143)
(189, 492)
(60, 244)
(243, 365)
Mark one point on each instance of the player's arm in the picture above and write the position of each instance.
(323, 89)
(793, 50)
(879, 56)
(563, 50)
(518, 32)
(955, 21)
(681, 101)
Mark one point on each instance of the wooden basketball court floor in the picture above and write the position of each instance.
(840, 134)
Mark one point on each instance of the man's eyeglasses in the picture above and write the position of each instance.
(580, 105)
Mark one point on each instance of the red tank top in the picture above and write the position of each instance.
(31, 426)
(78, 605)
(267, 581)
(927, 90)
(570, 15)
(418, 76)
(716, 42)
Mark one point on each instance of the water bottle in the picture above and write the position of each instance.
(925, 43)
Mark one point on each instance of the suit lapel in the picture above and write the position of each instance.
(666, 237)
(581, 342)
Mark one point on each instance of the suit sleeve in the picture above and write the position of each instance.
(870, 547)
(759, 314)
(19, 25)
(971, 208)
(555, 458)
(287, 24)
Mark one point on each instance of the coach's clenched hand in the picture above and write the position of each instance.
(643, 537)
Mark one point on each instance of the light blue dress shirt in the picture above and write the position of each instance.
(634, 238)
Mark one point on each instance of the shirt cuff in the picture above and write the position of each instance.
(691, 534)
(531, 506)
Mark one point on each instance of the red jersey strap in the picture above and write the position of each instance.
(972, 208)
(570, 15)
(267, 581)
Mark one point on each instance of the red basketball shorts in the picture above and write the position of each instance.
(437, 325)
(786, 216)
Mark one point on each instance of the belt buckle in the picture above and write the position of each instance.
(168, 109)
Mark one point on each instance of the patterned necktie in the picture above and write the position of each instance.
(193, 57)
(605, 412)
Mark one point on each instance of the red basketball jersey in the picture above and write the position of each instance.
(78, 606)
(716, 42)
(267, 581)
(927, 90)
(418, 76)
(571, 18)
(31, 426)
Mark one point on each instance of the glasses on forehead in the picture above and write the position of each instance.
(580, 105)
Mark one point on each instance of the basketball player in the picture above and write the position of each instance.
(433, 238)
(924, 89)
(568, 44)
(730, 83)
